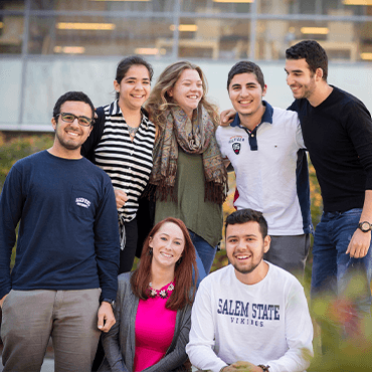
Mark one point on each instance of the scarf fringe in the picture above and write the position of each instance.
(216, 192)
(161, 191)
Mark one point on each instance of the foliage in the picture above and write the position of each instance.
(346, 334)
(18, 148)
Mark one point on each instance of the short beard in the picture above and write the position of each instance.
(247, 271)
(68, 146)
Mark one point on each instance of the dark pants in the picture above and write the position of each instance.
(335, 273)
(332, 267)
(127, 255)
(289, 252)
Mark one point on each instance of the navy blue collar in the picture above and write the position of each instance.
(267, 117)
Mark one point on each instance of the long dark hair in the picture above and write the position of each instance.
(184, 285)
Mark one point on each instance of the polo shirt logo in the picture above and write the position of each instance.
(236, 147)
(82, 202)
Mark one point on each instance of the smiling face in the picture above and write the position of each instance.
(246, 94)
(168, 244)
(70, 137)
(187, 91)
(134, 88)
(300, 79)
(245, 247)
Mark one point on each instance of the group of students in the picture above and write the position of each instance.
(165, 154)
(147, 141)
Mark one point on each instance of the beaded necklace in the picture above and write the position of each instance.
(162, 293)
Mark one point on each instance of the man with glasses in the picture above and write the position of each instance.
(64, 279)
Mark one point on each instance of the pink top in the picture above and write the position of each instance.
(154, 331)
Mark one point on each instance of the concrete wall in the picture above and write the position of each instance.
(28, 105)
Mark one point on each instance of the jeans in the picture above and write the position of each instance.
(204, 251)
(332, 268)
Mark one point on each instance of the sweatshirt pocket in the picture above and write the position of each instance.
(82, 204)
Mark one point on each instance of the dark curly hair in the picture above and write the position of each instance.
(246, 215)
(314, 54)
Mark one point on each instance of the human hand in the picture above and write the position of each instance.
(106, 317)
(242, 366)
(226, 117)
(121, 198)
(2, 301)
(359, 244)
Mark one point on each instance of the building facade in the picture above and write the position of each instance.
(50, 46)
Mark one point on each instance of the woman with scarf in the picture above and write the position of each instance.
(188, 179)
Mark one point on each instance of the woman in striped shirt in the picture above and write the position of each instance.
(188, 174)
(122, 143)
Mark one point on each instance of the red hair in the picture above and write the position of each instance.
(141, 277)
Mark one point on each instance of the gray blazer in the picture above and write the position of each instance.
(119, 343)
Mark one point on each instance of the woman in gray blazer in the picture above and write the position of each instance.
(153, 306)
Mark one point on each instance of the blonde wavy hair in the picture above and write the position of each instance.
(160, 101)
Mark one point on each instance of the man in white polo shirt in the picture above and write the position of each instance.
(265, 147)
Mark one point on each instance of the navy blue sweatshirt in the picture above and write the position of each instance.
(68, 234)
(338, 136)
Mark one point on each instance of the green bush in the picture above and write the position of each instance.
(18, 148)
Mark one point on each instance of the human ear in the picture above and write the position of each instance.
(319, 73)
(54, 123)
(116, 86)
(267, 242)
(264, 90)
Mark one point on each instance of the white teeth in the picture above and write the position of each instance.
(242, 257)
(72, 134)
(166, 255)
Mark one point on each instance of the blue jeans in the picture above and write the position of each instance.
(204, 252)
(332, 268)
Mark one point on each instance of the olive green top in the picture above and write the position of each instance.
(204, 218)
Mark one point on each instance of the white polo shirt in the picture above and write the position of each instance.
(265, 164)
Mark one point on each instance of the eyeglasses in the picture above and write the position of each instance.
(70, 118)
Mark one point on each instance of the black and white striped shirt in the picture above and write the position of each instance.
(127, 163)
